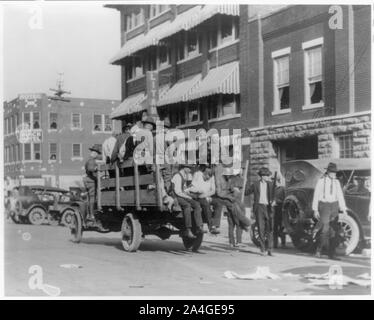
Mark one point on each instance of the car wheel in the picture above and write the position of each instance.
(131, 233)
(291, 213)
(351, 235)
(67, 217)
(76, 229)
(37, 216)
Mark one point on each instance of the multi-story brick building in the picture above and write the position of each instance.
(306, 82)
(62, 133)
(296, 79)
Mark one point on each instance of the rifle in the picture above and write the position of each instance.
(274, 186)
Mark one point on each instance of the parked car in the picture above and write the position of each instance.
(31, 204)
(301, 178)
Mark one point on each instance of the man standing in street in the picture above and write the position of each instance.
(262, 192)
(328, 199)
(90, 182)
(279, 196)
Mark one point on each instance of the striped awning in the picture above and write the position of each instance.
(131, 104)
(135, 103)
(209, 11)
(180, 91)
(223, 79)
(184, 21)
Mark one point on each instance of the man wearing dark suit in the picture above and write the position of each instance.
(262, 194)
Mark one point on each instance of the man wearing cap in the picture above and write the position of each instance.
(328, 199)
(360, 187)
(185, 200)
(262, 201)
(90, 183)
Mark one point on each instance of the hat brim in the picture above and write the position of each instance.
(332, 170)
(92, 149)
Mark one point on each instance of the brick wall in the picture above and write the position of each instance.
(262, 152)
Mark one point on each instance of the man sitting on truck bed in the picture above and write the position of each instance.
(185, 200)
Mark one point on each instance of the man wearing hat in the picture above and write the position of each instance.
(328, 199)
(262, 201)
(90, 182)
(185, 200)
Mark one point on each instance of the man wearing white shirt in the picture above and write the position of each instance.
(328, 199)
(203, 184)
(188, 204)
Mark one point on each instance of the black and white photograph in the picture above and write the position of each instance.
(185, 151)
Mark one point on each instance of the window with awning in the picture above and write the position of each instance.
(187, 20)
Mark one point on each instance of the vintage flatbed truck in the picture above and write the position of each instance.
(131, 203)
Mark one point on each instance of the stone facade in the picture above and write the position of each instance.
(263, 153)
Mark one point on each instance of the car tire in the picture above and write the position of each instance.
(193, 244)
(67, 217)
(291, 213)
(37, 216)
(76, 228)
(131, 233)
(351, 234)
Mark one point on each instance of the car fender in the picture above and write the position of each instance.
(25, 212)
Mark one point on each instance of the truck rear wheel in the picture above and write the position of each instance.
(76, 230)
(193, 244)
(131, 233)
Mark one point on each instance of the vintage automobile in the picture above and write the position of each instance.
(301, 177)
(32, 204)
(131, 203)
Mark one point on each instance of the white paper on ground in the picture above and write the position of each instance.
(262, 273)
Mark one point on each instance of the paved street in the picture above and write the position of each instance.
(158, 267)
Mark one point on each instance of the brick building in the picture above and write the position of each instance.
(306, 83)
(62, 134)
(295, 79)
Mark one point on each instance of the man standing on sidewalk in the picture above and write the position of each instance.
(262, 192)
(328, 199)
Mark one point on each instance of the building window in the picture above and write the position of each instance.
(223, 105)
(134, 20)
(157, 9)
(53, 121)
(53, 151)
(102, 123)
(108, 124)
(37, 153)
(281, 65)
(27, 119)
(313, 72)
(193, 112)
(27, 151)
(76, 120)
(17, 120)
(189, 45)
(226, 32)
(77, 150)
(5, 126)
(97, 122)
(164, 56)
(135, 68)
(345, 146)
(36, 120)
(180, 115)
(19, 152)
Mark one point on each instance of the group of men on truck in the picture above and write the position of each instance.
(202, 191)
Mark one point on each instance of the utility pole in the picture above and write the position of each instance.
(58, 96)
